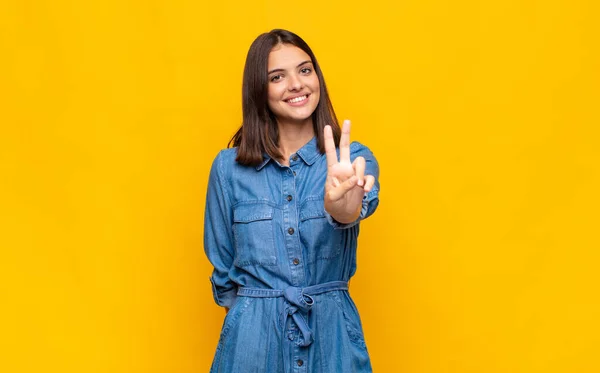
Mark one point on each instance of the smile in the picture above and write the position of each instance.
(296, 100)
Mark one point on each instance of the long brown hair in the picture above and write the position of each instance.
(259, 133)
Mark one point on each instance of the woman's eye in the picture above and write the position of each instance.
(275, 78)
(306, 70)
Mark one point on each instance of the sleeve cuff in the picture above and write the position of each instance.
(224, 298)
(369, 203)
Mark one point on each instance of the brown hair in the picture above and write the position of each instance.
(259, 133)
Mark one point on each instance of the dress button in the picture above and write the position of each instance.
(296, 261)
(300, 363)
(294, 173)
(295, 157)
(291, 230)
(289, 198)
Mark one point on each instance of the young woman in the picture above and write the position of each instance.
(282, 218)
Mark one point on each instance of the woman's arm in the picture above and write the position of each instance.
(352, 186)
(218, 238)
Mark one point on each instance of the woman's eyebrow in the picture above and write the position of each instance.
(300, 64)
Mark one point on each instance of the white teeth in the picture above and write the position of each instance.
(297, 99)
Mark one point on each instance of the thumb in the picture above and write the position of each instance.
(339, 191)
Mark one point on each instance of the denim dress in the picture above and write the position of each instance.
(281, 266)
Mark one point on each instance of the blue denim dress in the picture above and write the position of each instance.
(281, 264)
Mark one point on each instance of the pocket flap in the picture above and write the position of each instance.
(312, 209)
(252, 212)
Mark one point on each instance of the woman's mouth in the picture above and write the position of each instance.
(297, 100)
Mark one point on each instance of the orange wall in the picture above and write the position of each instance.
(483, 256)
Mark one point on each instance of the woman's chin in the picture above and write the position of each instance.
(298, 121)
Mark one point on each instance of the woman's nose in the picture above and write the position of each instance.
(295, 83)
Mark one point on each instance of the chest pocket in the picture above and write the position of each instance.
(316, 234)
(253, 235)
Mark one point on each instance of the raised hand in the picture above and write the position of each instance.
(346, 182)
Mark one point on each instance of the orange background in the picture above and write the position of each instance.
(483, 255)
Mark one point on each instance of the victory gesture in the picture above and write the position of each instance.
(346, 182)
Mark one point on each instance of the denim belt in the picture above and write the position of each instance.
(298, 303)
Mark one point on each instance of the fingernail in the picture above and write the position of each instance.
(361, 182)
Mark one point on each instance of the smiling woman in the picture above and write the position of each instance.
(293, 86)
(282, 218)
(272, 58)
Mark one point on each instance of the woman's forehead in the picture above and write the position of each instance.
(285, 56)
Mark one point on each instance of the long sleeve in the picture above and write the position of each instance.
(371, 199)
(218, 236)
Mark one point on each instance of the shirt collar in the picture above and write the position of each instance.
(262, 164)
(308, 153)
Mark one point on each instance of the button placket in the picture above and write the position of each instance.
(290, 224)
(300, 359)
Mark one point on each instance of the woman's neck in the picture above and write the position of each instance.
(292, 137)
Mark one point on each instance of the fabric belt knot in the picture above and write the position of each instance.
(298, 306)
(298, 303)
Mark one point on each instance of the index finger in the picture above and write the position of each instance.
(329, 146)
(345, 142)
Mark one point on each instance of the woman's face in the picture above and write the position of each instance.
(293, 85)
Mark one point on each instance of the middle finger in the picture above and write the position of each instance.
(330, 153)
